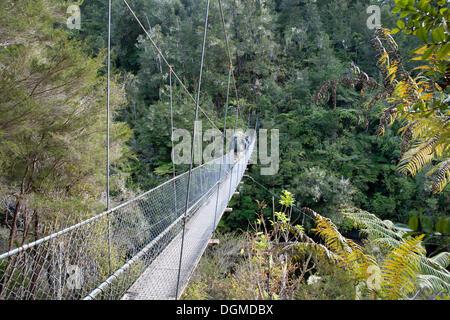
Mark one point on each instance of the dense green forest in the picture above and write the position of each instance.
(284, 51)
(286, 54)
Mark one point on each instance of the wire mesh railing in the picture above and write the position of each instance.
(166, 277)
(196, 242)
(103, 256)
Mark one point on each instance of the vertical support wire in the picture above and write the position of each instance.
(107, 137)
(228, 52)
(167, 63)
(192, 146)
(234, 141)
(237, 146)
(234, 82)
(230, 73)
(223, 146)
(173, 149)
(231, 171)
(237, 116)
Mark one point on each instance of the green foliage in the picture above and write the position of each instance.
(52, 132)
(280, 261)
(429, 272)
(52, 121)
(333, 284)
(281, 51)
(400, 268)
(420, 98)
(210, 279)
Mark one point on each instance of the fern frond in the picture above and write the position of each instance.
(416, 158)
(308, 245)
(350, 255)
(433, 283)
(318, 249)
(327, 230)
(442, 259)
(372, 226)
(411, 131)
(435, 267)
(414, 99)
(407, 136)
(401, 266)
(388, 118)
(382, 233)
(441, 176)
(360, 261)
(389, 243)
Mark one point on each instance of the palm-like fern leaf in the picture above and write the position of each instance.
(413, 99)
(401, 266)
(374, 227)
(433, 283)
(441, 176)
(411, 131)
(442, 259)
(418, 157)
(350, 255)
(317, 248)
(432, 271)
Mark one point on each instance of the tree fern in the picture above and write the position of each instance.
(422, 154)
(350, 255)
(432, 273)
(372, 226)
(400, 268)
(441, 176)
(420, 101)
(433, 283)
(411, 131)
(316, 248)
(442, 259)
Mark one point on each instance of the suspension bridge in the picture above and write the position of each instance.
(148, 246)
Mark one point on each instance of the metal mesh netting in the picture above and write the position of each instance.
(160, 280)
(103, 256)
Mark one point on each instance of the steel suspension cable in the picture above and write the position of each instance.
(222, 18)
(223, 144)
(171, 121)
(230, 74)
(192, 143)
(234, 142)
(171, 139)
(168, 65)
(107, 136)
